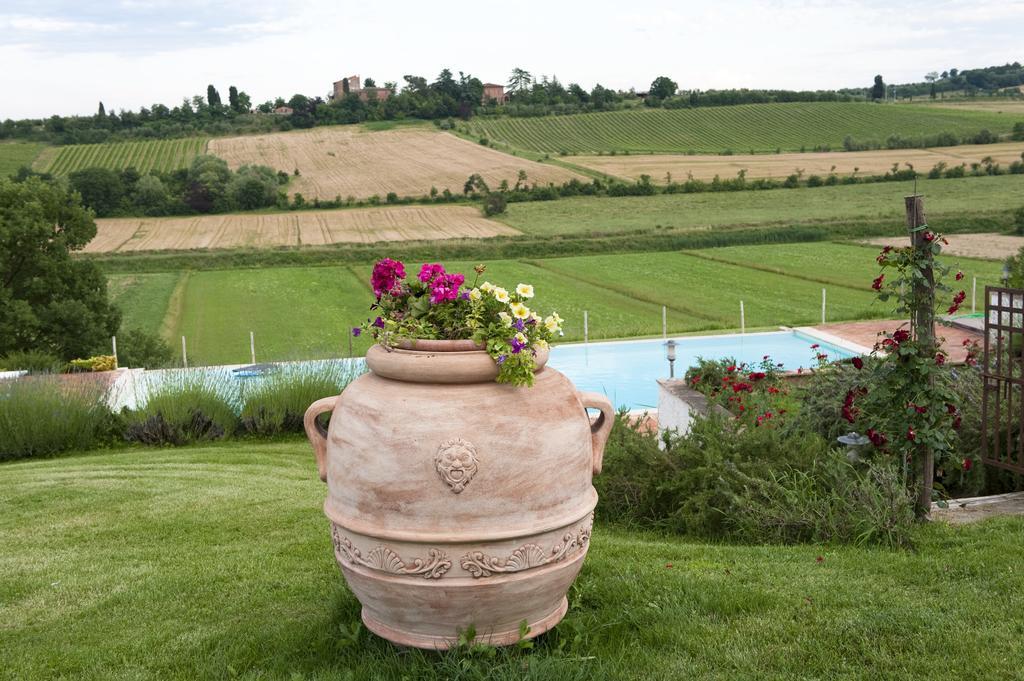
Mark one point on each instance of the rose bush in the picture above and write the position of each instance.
(439, 305)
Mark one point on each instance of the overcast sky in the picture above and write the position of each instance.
(65, 56)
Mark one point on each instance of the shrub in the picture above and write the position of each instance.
(46, 415)
(32, 361)
(1018, 220)
(186, 406)
(1018, 132)
(706, 483)
(277, 403)
(495, 204)
(141, 349)
(97, 363)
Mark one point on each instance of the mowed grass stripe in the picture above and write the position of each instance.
(758, 127)
(847, 265)
(717, 288)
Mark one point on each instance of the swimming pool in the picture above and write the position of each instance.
(627, 371)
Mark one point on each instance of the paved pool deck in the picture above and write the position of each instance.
(865, 333)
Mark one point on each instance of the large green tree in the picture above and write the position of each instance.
(663, 87)
(878, 89)
(49, 301)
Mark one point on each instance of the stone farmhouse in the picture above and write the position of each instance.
(355, 87)
(495, 92)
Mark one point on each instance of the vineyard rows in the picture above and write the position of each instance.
(745, 128)
(163, 155)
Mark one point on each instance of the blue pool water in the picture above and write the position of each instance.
(627, 371)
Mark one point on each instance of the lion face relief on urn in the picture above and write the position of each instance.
(456, 462)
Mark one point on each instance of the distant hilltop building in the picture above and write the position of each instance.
(284, 110)
(353, 85)
(495, 92)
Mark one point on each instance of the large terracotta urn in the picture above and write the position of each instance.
(454, 500)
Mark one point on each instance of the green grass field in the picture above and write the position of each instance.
(974, 195)
(216, 562)
(143, 155)
(143, 298)
(743, 128)
(307, 312)
(14, 155)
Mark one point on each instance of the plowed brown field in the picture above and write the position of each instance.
(301, 228)
(705, 167)
(347, 160)
(984, 246)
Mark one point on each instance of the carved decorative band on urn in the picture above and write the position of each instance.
(458, 501)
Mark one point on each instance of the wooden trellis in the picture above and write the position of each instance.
(1002, 402)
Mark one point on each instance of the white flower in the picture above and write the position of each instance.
(520, 311)
(487, 287)
(541, 344)
(521, 337)
(475, 294)
(505, 318)
(554, 315)
(534, 316)
(551, 324)
(525, 290)
(500, 294)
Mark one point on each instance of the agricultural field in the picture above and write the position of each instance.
(349, 160)
(299, 228)
(970, 195)
(987, 246)
(623, 294)
(998, 104)
(708, 166)
(143, 155)
(742, 128)
(14, 155)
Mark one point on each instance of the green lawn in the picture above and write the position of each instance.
(840, 264)
(741, 128)
(143, 298)
(694, 285)
(216, 562)
(295, 313)
(307, 312)
(14, 155)
(971, 196)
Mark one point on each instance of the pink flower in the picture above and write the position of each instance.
(386, 275)
(445, 287)
(428, 271)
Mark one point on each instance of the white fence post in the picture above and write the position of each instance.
(823, 305)
(113, 345)
(252, 346)
(184, 354)
(974, 293)
(664, 322)
(743, 320)
(586, 328)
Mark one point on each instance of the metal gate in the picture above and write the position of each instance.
(1002, 401)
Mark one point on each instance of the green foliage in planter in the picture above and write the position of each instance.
(708, 481)
(277, 403)
(43, 415)
(32, 361)
(187, 406)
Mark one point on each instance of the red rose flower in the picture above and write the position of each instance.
(911, 435)
(901, 335)
(858, 363)
(940, 358)
(877, 283)
(959, 276)
(967, 464)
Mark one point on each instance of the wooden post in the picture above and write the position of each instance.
(113, 345)
(184, 354)
(922, 327)
(252, 346)
(586, 330)
(974, 294)
(743, 321)
(822, 305)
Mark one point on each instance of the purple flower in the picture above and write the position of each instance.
(501, 359)
(465, 295)
(519, 324)
(356, 331)
(516, 345)
(386, 275)
(379, 323)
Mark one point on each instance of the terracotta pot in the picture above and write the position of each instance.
(456, 501)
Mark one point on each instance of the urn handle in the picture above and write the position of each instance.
(316, 433)
(602, 427)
